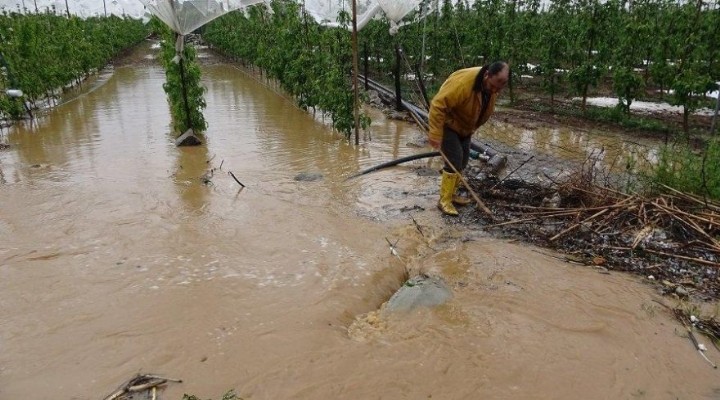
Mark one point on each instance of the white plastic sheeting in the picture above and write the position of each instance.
(191, 14)
(184, 16)
(396, 10)
(327, 11)
(82, 8)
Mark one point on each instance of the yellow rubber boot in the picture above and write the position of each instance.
(457, 199)
(447, 189)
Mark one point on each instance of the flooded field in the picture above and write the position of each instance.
(121, 253)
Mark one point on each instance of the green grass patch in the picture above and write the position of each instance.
(688, 170)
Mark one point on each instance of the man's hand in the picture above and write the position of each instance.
(434, 143)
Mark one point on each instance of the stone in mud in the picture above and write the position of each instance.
(308, 176)
(427, 171)
(419, 291)
(373, 97)
(496, 163)
(418, 140)
(188, 139)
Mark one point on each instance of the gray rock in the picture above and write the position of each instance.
(308, 176)
(426, 171)
(681, 291)
(419, 291)
(418, 140)
(374, 97)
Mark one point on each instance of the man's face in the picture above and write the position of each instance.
(497, 82)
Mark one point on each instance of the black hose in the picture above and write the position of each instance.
(395, 162)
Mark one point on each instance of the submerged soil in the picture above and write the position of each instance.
(123, 254)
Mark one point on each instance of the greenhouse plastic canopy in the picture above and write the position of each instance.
(184, 16)
(327, 12)
(81, 8)
(396, 10)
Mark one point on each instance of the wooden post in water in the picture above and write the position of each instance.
(67, 8)
(105, 8)
(36, 9)
(356, 107)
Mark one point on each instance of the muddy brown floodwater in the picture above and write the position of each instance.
(117, 256)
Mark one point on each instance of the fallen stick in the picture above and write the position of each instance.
(697, 260)
(691, 224)
(236, 179)
(706, 204)
(417, 226)
(697, 346)
(515, 221)
(139, 383)
(144, 386)
(597, 214)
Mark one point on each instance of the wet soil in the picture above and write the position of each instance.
(536, 173)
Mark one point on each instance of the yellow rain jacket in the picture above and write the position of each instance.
(457, 106)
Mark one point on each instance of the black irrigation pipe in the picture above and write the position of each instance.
(395, 162)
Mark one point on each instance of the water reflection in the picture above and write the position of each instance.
(193, 177)
(613, 151)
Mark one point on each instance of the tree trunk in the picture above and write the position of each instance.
(356, 103)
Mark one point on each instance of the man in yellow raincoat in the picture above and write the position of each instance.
(464, 102)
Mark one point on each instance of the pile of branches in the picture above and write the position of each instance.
(671, 237)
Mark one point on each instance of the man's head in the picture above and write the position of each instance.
(493, 78)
